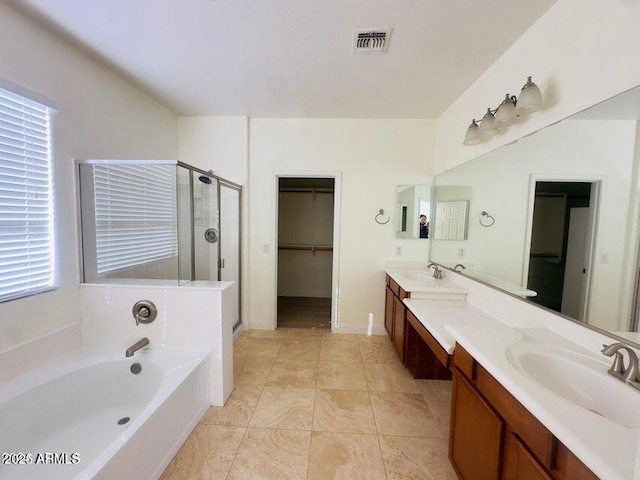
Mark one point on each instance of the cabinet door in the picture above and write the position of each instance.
(388, 311)
(398, 326)
(476, 433)
(520, 463)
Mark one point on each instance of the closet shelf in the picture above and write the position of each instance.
(327, 248)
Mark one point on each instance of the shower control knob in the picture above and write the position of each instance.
(144, 311)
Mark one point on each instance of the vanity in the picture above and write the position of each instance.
(527, 403)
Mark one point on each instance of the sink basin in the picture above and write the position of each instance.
(424, 278)
(580, 379)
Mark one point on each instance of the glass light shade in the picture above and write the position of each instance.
(530, 99)
(505, 115)
(488, 125)
(473, 136)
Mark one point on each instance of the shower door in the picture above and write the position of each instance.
(230, 242)
(206, 226)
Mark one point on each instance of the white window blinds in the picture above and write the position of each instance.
(136, 215)
(26, 198)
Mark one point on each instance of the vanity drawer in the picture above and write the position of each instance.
(395, 288)
(464, 361)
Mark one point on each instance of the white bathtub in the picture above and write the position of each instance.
(60, 421)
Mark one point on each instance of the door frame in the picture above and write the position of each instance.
(335, 265)
(594, 209)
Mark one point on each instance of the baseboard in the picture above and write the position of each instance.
(260, 326)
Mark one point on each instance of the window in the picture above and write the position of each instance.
(136, 215)
(26, 198)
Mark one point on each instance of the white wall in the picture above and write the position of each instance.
(580, 52)
(100, 115)
(581, 150)
(373, 156)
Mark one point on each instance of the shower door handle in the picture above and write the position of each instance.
(221, 263)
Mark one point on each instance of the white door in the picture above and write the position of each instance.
(573, 291)
(451, 220)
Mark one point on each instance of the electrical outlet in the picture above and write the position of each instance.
(604, 258)
(461, 253)
(398, 251)
(265, 248)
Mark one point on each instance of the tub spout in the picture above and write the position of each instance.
(143, 342)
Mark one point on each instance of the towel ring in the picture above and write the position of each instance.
(490, 222)
(380, 214)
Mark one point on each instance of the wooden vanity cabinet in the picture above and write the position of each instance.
(494, 437)
(394, 315)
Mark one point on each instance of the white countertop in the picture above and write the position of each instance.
(436, 315)
(608, 449)
(421, 280)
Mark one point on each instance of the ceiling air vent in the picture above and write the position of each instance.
(371, 41)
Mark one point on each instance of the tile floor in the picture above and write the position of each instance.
(309, 404)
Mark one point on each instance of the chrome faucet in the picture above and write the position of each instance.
(618, 370)
(455, 269)
(437, 273)
(143, 342)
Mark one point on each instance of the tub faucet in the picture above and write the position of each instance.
(629, 374)
(143, 342)
(437, 273)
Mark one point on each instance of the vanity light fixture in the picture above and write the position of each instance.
(473, 136)
(508, 112)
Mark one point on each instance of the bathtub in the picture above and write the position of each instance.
(86, 415)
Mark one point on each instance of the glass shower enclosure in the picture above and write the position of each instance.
(158, 222)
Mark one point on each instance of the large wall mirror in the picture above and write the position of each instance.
(553, 217)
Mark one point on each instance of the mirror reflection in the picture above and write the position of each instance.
(413, 212)
(564, 212)
(452, 213)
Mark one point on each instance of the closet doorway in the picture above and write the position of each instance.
(305, 260)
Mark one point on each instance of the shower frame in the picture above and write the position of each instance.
(222, 182)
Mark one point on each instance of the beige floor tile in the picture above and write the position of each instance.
(374, 338)
(435, 390)
(277, 334)
(294, 373)
(284, 407)
(343, 411)
(341, 376)
(328, 335)
(299, 349)
(345, 456)
(403, 414)
(340, 351)
(255, 371)
(304, 333)
(271, 454)
(416, 458)
(379, 352)
(442, 413)
(238, 365)
(238, 409)
(207, 454)
(259, 347)
(388, 377)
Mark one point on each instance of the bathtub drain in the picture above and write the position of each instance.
(123, 420)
